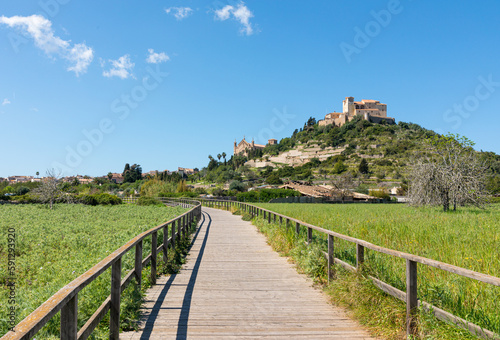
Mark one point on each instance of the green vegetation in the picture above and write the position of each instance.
(265, 195)
(373, 154)
(469, 238)
(53, 247)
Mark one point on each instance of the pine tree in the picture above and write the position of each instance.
(363, 166)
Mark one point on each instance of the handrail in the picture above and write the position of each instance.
(410, 296)
(66, 299)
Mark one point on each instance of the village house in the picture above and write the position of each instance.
(370, 110)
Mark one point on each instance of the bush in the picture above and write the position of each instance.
(96, 199)
(265, 195)
(149, 201)
(237, 186)
(380, 193)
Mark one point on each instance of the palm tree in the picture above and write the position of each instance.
(219, 156)
(224, 156)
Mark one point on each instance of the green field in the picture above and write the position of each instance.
(53, 247)
(469, 238)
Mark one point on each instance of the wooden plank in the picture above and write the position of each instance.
(69, 319)
(96, 318)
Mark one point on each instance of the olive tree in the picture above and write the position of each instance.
(451, 173)
(50, 188)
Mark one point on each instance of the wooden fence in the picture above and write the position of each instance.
(66, 299)
(409, 297)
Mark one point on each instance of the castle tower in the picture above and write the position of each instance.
(348, 106)
(235, 145)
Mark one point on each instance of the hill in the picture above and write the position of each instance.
(319, 153)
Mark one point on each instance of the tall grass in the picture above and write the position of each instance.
(53, 247)
(469, 238)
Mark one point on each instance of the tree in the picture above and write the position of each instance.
(37, 174)
(50, 188)
(219, 156)
(237, 186)
(110, 176)
(363, 167)
(452, 174)
(132, 173)
(224, 156)
(339, 167)
(274, 179)
(343, 184)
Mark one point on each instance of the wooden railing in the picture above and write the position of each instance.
(66, 299)
(409, 297)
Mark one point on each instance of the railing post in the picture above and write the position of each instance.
(281, 220)
(154, 245)
(69, 319)
(138, 263)
(114, 312)
(179, 226)
(309, 235)
(268, 217)
(297, 228)
(330, 258)
(411, 297)
(360, 256)
(173, 235)
(274, 217)
(165, 244)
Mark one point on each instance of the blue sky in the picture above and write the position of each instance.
(87, 86)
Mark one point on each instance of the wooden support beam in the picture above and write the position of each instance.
(138, 263)
(154, 255)
(114, 312)
(360, 256)
(411, 298)
(165, 244)
(331, 268)
(69, 319)
(309, 235)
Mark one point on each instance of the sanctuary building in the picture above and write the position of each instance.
(370, 110)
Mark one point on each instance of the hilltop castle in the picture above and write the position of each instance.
(243, 147)
(370, 110)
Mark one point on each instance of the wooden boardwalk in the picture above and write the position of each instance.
(234, 285)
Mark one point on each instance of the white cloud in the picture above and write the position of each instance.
(6, 101)
(156, 58)
(122, 68)
(79, 56)
(240, 13)
(224, 13)
(179, 12)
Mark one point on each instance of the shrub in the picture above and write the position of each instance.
(96, 199)
(149, 201)
(265, 195)
(237, 186)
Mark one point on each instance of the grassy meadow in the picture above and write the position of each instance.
(469, 238)
(53, 247)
